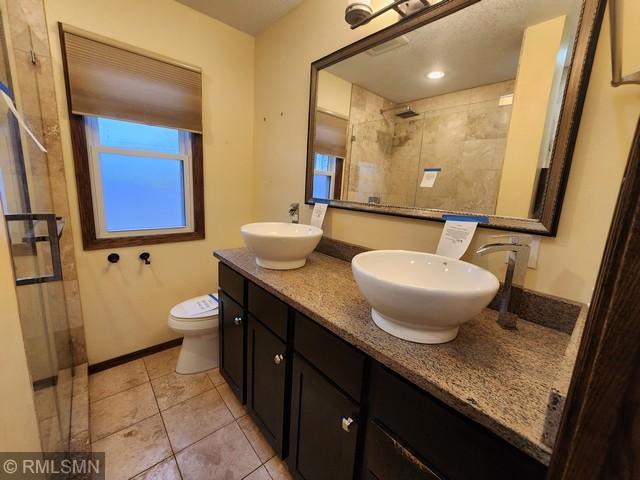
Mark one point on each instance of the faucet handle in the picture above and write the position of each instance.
(519, 238)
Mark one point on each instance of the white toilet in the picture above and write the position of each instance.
(196, 320)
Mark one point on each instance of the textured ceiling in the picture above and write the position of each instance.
(476, 46)
(250, 16)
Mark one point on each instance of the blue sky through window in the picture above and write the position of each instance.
(136, 136)
(321, 186)
(142, 192)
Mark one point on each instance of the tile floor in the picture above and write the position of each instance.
(155, 424)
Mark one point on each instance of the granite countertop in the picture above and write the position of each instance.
(499, 378)
(562, 381)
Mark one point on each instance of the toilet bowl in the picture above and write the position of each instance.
(196, 320)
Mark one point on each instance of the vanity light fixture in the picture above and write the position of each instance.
(435, 75)
(359, 12)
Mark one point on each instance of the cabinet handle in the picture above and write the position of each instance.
(237, 320)
(346, 423)
(278, 359)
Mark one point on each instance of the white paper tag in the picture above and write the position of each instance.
(317, 217)
(429, 177)
(455, 238)
(200, 305)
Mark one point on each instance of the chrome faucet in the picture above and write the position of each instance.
(517, 263)
(294, 212)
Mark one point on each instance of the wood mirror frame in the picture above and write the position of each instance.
(566, 130)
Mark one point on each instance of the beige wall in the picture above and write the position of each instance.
(534, 83)
(568, 264)
(18, 424)
(334, 94)
(125, 306)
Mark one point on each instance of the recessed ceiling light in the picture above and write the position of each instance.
(435, 75)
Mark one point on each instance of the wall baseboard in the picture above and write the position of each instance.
(128, 357)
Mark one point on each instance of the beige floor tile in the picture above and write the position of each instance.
(194, 419)
(237, 410)
(173, 388)
(162, 363)
(167, 470)
(278, 469)
(134, 449)
(117, 379)
(259, 474)
(121, 410)
(256, 439)
(225, 453)
(215, 376)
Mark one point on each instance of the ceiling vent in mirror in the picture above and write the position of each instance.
(388, 46)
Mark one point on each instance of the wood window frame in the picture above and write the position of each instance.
(90, 240)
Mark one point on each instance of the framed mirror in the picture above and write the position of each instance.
(469, 107)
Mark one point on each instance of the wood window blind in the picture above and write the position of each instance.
(331, 134)
(109, 79)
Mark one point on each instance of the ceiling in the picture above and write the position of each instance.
(250, 16)
(478, 45)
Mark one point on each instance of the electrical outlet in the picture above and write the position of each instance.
(533, 252)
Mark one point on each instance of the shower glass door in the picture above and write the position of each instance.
(34, 232)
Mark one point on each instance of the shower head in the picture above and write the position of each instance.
(402, 111)
(407, 112)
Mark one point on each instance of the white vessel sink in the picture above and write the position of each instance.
(420, 296)
(281, 246)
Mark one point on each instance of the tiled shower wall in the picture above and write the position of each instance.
(464, 133)
(34, 81)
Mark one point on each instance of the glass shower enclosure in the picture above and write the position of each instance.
(34, 233)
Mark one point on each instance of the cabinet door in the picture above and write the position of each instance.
(324, 427)
(232, 345)
(266, 382)
(387, 459)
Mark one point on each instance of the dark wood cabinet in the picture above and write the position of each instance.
(333, 412)
(324, 427)
(232, 336)
(339, 361)
(388, 459)
(266, 382)
(451, 444)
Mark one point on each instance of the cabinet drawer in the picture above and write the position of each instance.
(269, 310)
(387, 459)
(231, 282)
(334, 357)
(455, 446)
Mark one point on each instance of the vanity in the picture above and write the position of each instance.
(337, 397)
(467, 109)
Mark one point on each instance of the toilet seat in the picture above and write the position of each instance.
(193, 325)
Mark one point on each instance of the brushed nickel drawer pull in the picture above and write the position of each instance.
(346, 423)
(278, 359)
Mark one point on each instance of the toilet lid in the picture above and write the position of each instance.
(203, 306)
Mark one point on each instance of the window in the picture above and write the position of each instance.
(324, 170)
(141, 178)
(136, 130)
